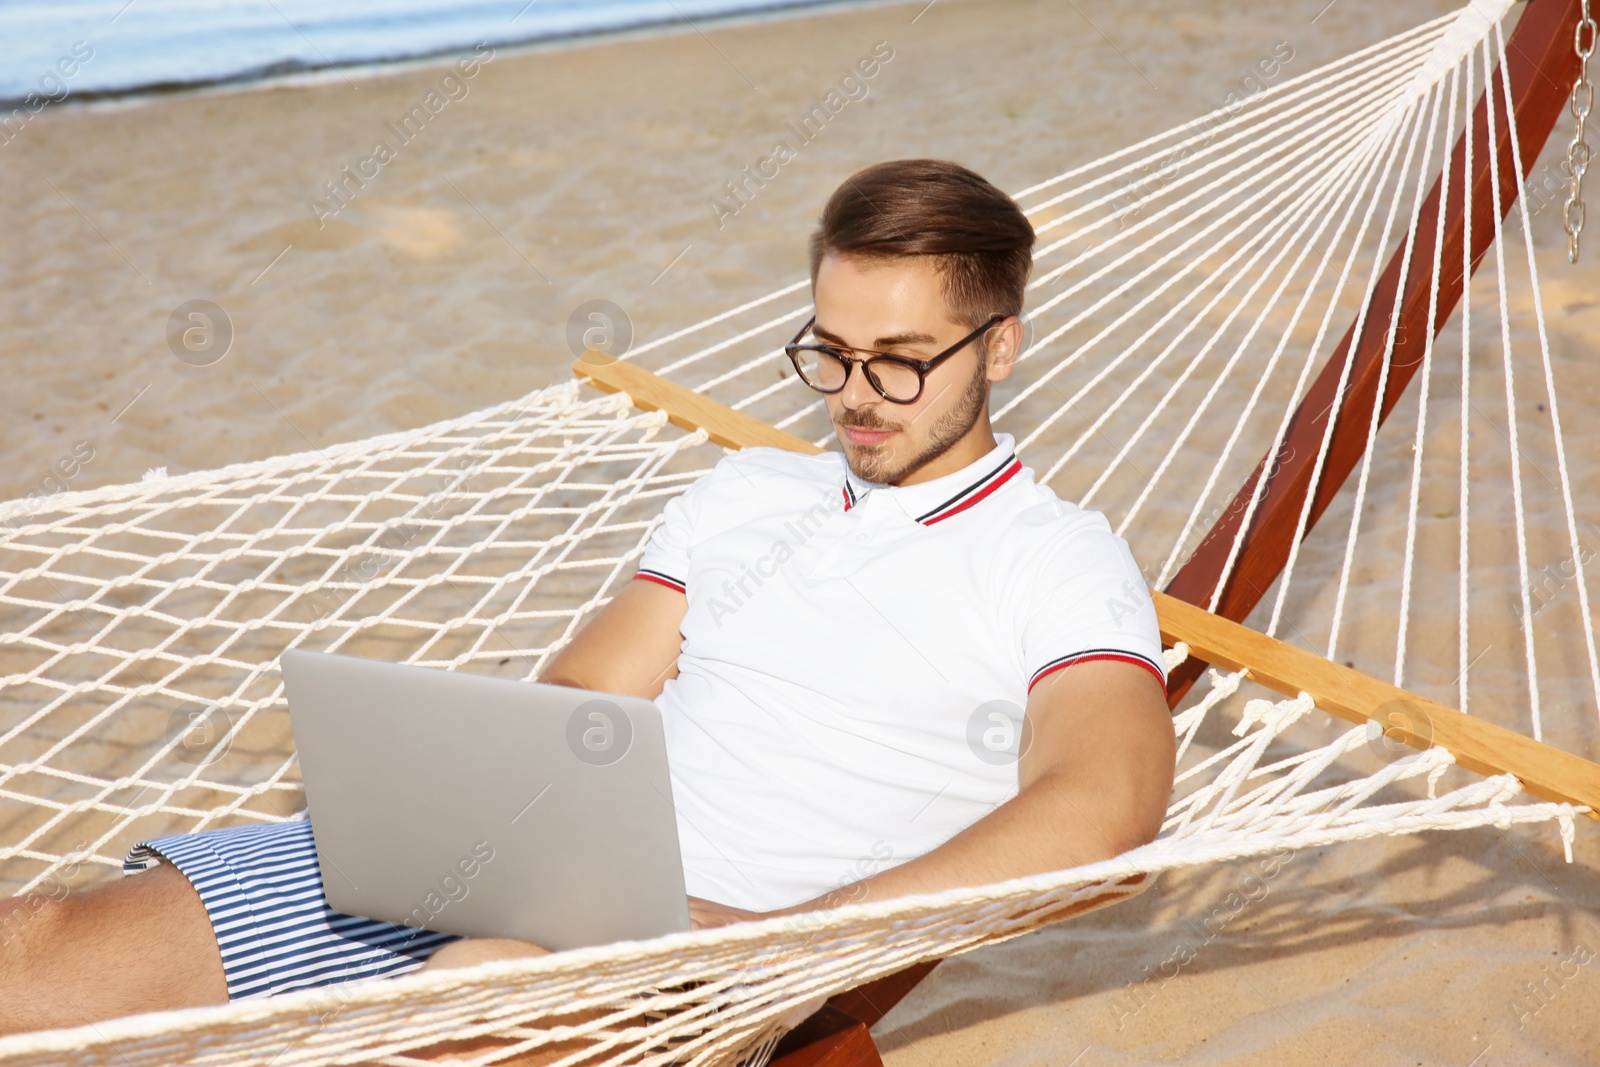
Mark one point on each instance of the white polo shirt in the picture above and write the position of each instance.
(856, 657)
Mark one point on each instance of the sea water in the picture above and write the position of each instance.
(53, 49)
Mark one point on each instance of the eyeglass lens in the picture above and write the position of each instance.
(827, 372)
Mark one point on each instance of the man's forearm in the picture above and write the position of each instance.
(1050, 825)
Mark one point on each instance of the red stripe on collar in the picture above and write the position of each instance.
(962, 500)
(973, 493)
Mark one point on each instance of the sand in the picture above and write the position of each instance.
(584, 172)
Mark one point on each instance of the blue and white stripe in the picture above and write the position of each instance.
(262, 889)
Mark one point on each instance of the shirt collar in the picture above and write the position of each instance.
(934, 501)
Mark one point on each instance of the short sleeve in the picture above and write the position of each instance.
(1086, 600)
(666, 554)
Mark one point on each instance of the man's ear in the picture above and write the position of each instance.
(1005, 345)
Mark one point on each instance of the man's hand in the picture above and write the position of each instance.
(470, 951)
(706, 914)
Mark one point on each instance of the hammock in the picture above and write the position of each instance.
(1186, 290)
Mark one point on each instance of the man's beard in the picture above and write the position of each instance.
(946, 430)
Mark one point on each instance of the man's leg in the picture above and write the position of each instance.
(145, 943)
(186, 929)
(138, 944)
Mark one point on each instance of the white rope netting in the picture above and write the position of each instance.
(1186, 290)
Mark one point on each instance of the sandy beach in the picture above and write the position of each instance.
(445, 279)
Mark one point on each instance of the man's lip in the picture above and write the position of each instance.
(858, 436)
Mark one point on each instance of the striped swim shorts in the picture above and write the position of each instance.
(263, 891)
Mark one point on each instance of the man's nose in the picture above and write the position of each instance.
(858, 391)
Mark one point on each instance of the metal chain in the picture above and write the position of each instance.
(1578, 150)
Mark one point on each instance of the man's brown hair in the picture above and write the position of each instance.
(981, 242)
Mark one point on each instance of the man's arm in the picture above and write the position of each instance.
(1093, 784)
(630, 647)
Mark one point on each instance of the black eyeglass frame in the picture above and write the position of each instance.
(921, 366)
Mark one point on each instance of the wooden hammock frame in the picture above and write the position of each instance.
(1542, 69)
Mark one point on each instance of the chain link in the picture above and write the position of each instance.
(1578, 151)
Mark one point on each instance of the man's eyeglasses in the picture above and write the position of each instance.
(826, 367)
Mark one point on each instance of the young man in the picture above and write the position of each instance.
(860, 658)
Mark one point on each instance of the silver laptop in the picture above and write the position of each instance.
(484, 806)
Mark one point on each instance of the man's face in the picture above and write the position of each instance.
(897, 306)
